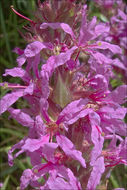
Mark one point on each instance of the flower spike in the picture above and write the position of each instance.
(71, 95)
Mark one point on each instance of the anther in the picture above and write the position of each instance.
(5, 85)
(99, 43)
(35, 171)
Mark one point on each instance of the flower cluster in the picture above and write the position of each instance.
(74, 118)
(117, 35)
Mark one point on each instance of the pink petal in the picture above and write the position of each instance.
(101, 58)
(23, 118)
(54, 61)
(26, 178)
(29, 89)
(21, 60)
(116, 62)
(65, 27)
(34, 144)
(85, 32)
(39, 126)
(96, 137)
(17, 72)
(75, 184)
(99, 82)
(9, 99)
(96, 174)
(18, 51)
(69, 149)
(13, 148)
(119, 94)
(59, 183)
(34, 48)
(75, 106)
(105, 45)
(100, 29)
(48, 151)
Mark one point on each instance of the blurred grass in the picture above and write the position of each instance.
(11, 132)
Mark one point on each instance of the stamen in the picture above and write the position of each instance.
(52, 127)
(9, 86)
(56, 50)
(46, 165)
(77, 55)
(112, 165)
(99, 130)
(93, 45)
(5, 86)
(12, 7)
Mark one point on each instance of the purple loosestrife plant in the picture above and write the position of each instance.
(74, 118)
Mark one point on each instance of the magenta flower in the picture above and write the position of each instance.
(88, 32)
(115, 154)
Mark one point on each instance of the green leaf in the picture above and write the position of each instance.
(114, 181)
(8, 171)
(61, 93)
(12, 132)
(103, 18)
(5, 149)
(5, 183)
(20, 164)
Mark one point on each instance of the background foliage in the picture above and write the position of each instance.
(10, 131)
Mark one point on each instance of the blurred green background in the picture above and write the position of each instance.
(10, 131)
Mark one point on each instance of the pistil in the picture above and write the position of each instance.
(24, 17)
